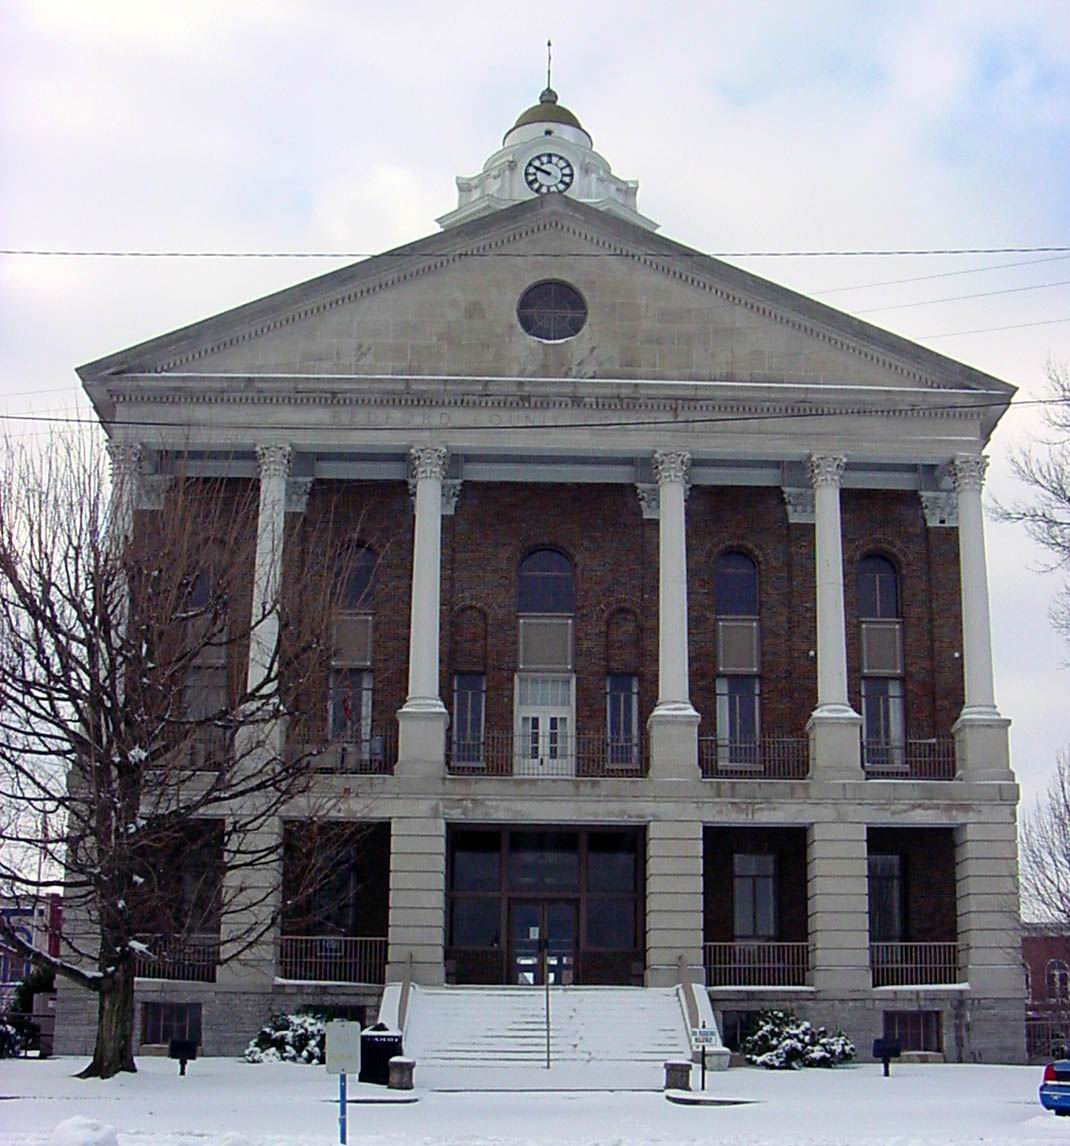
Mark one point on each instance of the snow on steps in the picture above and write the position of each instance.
(505, 1027)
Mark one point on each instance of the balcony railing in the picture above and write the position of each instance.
(918, 759)
(913, 964)
(757, 964)
(765, 758)
(508, 754)
(192, 958)
(372, 755)
(332, 959)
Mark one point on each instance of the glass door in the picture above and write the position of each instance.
(544, 727)
(542, 941)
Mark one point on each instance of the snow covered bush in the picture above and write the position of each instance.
(16, 1034)
(289, 1038)
(782, 1041)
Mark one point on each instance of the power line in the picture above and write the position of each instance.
(403, 254)
(942, 275)
(962, 297)
(990, 329)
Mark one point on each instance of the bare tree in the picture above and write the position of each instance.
(1046, 468)
(141, 765)
(1045, 851)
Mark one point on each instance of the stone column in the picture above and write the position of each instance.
(837, 888)
(423, 718)
(835, 748)
(125, 460)
(417, 924)
(252, 891)
(673, 725)
(673, 901)
(989, 934)
(981, 740)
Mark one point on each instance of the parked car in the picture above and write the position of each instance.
(1055, 1088)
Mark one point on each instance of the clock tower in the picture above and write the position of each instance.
(546, 152)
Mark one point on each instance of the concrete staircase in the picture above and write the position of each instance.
(495, 1037)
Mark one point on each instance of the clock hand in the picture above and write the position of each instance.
(546, 170)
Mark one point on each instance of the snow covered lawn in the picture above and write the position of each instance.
(223, 1102)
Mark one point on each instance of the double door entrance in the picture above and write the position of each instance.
(542, 941)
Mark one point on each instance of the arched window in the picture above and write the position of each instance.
(883, 715)
(546, 583)
(355, 573)
(735, 585)
(738, 684)
(1058, 979)
(878, 589)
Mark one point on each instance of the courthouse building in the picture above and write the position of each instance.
(670, 637)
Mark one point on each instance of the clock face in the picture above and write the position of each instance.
(548, 173)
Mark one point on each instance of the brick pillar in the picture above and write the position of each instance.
(838, 907)
(986, 873)
(417, 899)
(673, 900)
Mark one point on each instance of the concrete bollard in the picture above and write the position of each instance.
(678, 1075)
(401, 1073)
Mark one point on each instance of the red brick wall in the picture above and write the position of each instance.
(929, 876)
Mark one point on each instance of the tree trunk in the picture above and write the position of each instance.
(114, 1051)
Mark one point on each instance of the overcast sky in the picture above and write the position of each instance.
(761, 126)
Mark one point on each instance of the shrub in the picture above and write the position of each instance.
(16, 1035)
(289, 1038)
(782, 1041)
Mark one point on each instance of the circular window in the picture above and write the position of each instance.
(552, 311)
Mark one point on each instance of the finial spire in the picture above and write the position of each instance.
(549, 48)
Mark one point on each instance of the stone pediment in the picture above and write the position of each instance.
(445, 306)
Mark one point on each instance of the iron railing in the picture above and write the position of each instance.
(509, 754)
(193, 958)
(757, 964)
(763, 758)
(928, 758)
(913, 964)
(372, 755)
(332, 959)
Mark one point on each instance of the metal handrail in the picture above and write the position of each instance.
(332, 959)
(912, 758)
(757, 963)
(505, 753)
(914, 964)
(759, 758)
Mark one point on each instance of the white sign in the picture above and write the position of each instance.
(533, 933)
(704, 1036)
(343, 1047)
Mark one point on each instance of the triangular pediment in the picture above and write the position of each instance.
(445, 306)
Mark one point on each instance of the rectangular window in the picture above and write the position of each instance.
(915, 1030)
(755, 895)
(162, 1022)
(622, 720)
(738, 719)
(886, 898)
(204, 694)
(350, 712)
(469, 706)
(883, 723)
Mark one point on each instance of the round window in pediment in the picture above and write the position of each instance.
(551, 311)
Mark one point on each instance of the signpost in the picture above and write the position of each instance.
(703, 1037)
(343, 1058)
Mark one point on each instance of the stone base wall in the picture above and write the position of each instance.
(974, 1029)
(229, 1019)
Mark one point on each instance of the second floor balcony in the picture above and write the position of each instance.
(534, 754)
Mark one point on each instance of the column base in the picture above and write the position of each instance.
(835, 743)
(982, 745)
(673, 732)
(422, 724)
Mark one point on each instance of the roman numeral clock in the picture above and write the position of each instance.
(548, 173)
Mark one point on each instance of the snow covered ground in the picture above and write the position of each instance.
(222, 1102)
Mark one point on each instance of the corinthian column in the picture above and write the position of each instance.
(673, 724)
(981, 732)
(834, 724)
(422, 719)
(125, 460)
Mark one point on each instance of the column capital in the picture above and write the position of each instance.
(826, 469)
(126, 459)
(297, 491)
(428, 462)
(649, 500)
(968, 472)
(672, 467)
(274, 461)
(941, 507)
(800, 505)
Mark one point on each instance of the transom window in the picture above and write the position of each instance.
(878, 589)
(552, 311)
(546, 583)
